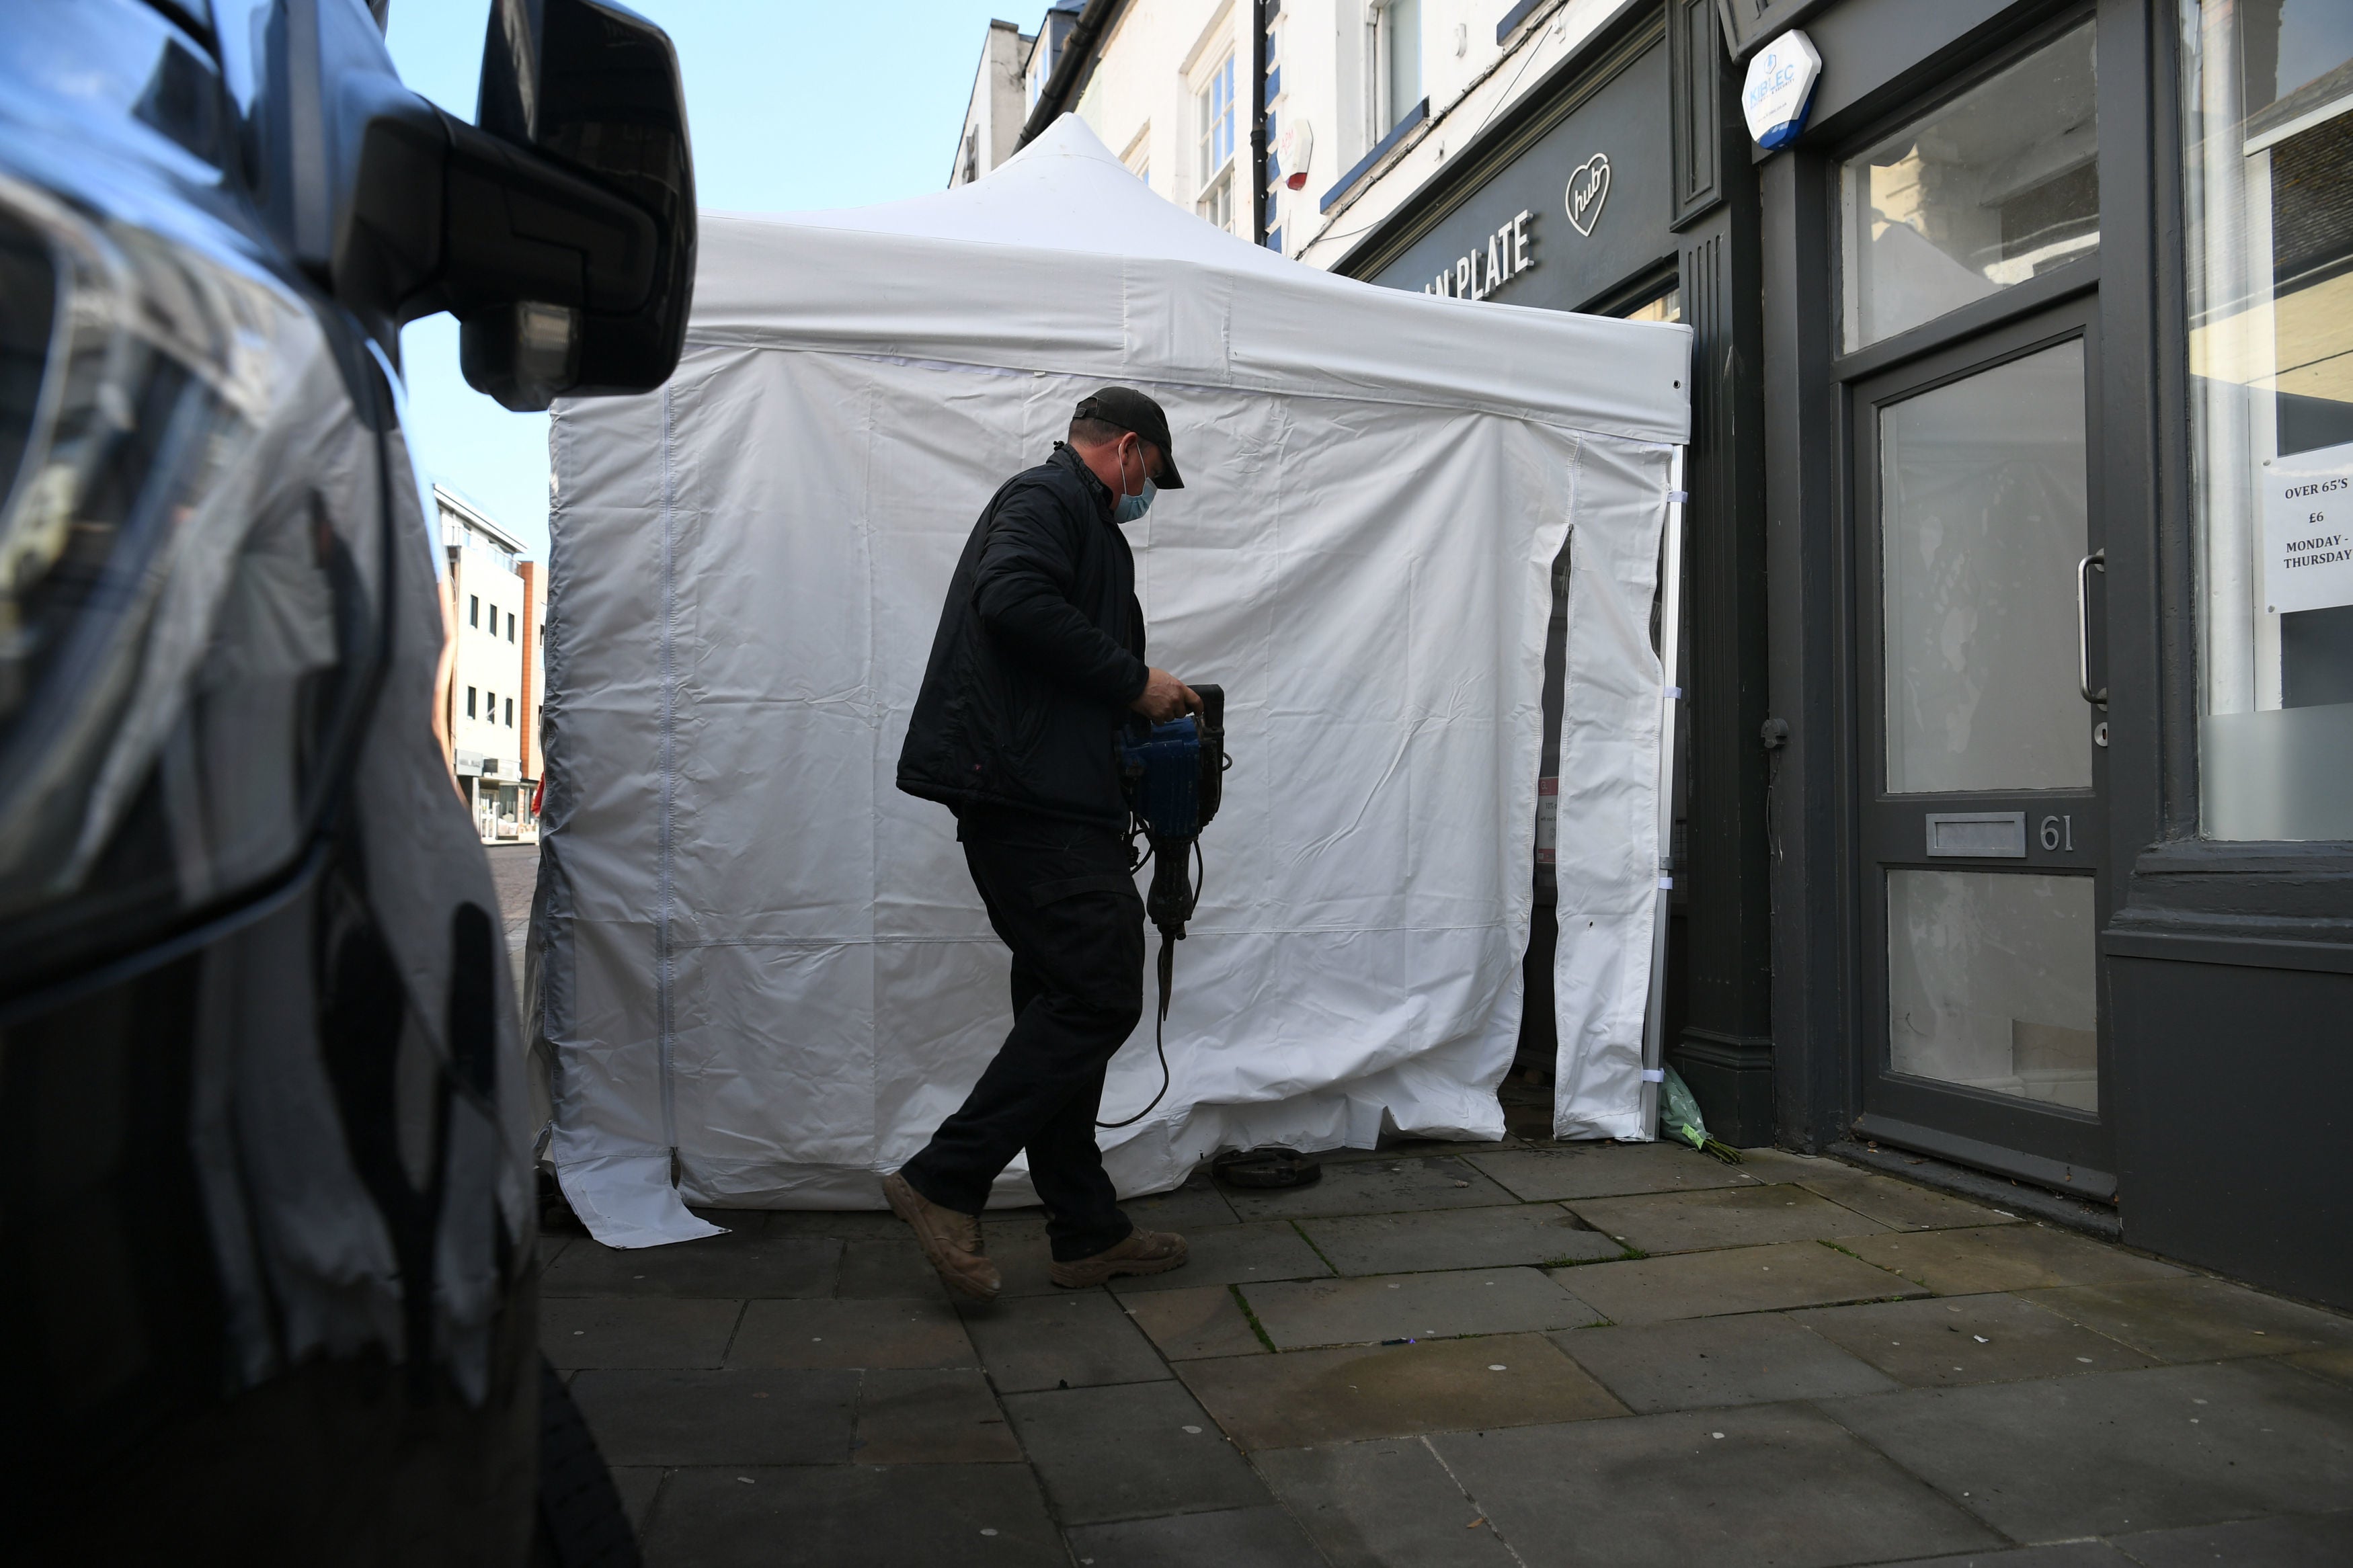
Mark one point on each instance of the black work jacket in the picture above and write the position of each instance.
(1040, 651)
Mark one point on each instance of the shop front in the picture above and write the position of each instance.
(498, 797)
(2016, 821)
(2058, 401)
(1622, 186)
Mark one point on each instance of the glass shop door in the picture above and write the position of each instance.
(1981, 706)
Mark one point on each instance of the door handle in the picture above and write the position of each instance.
(2098, 558)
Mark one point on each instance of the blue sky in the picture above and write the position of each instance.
(791, 103)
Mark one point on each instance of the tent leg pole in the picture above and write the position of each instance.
(1671, 617)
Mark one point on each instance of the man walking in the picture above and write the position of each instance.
(1038, 658)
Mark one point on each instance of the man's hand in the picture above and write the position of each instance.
(1166, 696)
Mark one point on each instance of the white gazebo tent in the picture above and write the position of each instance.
(762, 975)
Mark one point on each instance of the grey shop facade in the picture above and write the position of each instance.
(2014, 836)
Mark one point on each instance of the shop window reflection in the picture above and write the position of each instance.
(1983, 510)
(2268, 168)
(1991, 984)
(1667, 307)
(1997, 186)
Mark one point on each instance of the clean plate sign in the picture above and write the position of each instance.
(1562, 225)
(1589, 187)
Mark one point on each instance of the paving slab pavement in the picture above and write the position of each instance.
(2120, 1452)
(802, 1389)
(740, 1264)
(1261, 1537)
(2305, 1540)
(1369, 1391)
(2005, 1257)
(1196, 1204)
(1301, 1313)
(2196, 1319)
(841, 1225)
(2337, 1366)
(854, 1516)
(1724, 1216)
(638, 1332)
(2063, 1554)
(1194, 1323)
(1074, 1339)
(1786, 1483)
(1944, 1343)
(1898, 1205)
(638, 1484)
(931, 1417)
(1760, 1358)
(1737, 1280)
(722, 1417)
(1130, 1451)
(1458, 1238)
(887, 1267)
(1220, 1255)
(1378, 1187)
(1387, 1501)
(1573, 1171)
(829, 1332)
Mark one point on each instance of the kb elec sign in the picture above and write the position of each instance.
(1780, 90)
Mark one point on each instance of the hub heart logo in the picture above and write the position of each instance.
(1589, 187)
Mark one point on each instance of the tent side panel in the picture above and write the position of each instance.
(748, 570)
(1608, 853)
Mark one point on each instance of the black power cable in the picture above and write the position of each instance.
(1190, 879)
(1170, 809)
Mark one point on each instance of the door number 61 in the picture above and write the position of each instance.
(2059, 833)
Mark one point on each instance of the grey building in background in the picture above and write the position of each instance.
(992, 119)
(1014, 68)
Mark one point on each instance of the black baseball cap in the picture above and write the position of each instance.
(1130, 410)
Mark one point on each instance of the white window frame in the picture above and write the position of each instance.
(1380, 41)
(1215, 188)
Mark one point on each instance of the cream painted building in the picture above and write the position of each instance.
(1361, 99)
(1169, 91)
(1392, 90)
(497, 615)
(1167, 84)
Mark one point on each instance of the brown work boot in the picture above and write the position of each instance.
(1141, 1252)
(950, 1241)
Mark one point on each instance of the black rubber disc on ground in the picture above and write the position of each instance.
(1265, 1168)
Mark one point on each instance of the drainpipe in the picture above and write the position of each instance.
(1071, 70)
(1261, 12)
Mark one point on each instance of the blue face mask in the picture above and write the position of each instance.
(1131, 508)
(1128, 508)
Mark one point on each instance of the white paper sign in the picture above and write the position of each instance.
(2308, 530)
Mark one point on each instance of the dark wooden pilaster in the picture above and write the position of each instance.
(1724, 1046)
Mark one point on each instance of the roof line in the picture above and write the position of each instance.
(1071, 70)
(477, 517)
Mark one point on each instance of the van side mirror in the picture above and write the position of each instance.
(593, 87)
(560, 231)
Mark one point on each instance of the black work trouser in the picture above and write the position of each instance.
(1063, 898)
